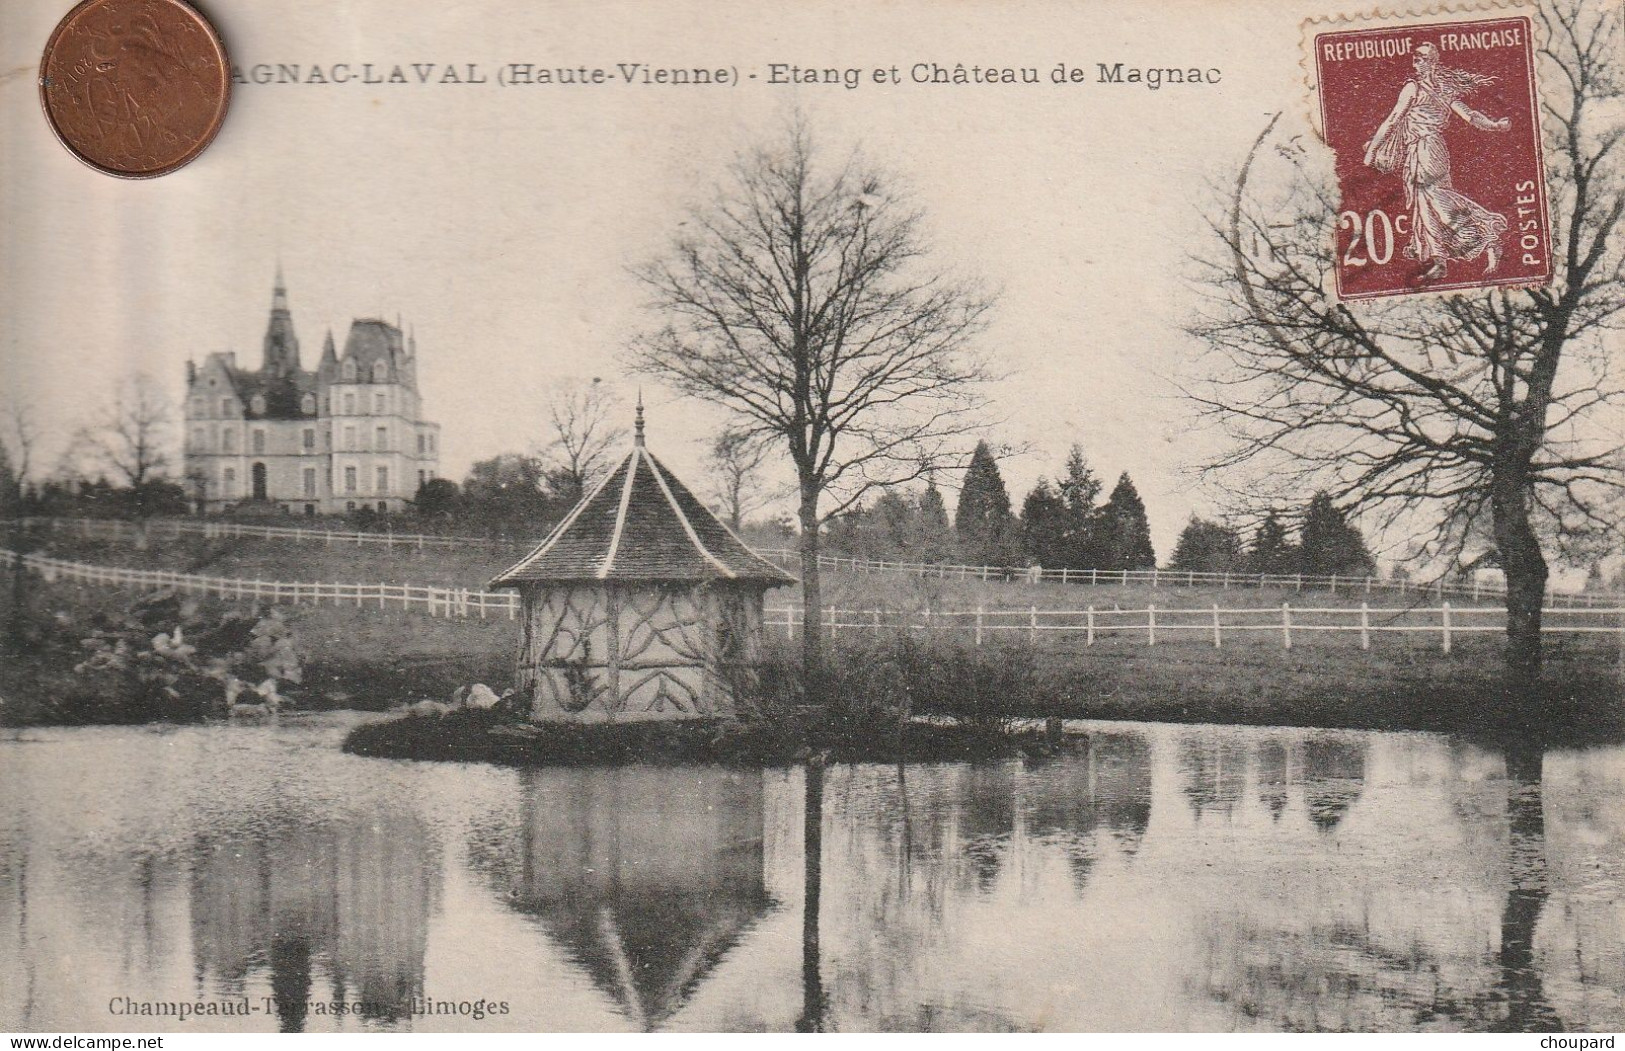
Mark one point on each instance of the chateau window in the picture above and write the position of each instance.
(197, 439)
(229, 441)
(310, 481)
(310, 439)
(198, 408)
(225, 406)
(379, 372)
(349, 372)
(228, 483)
(349, 405)
(307, 405)
(431, 441)
(423, 476)
(383, 507)
(350, 505)
(422, 446)
(258, 403)
(383, 439)
(259, 441)
(349, 482)
(383, 480)
(378, 402)
(349, 439)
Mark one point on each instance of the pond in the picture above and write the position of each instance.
(1153, 877)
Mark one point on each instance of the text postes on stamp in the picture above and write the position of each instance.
(1435, 128)
(135, 88)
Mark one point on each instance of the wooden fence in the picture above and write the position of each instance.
(211, 528)
(1473, 590)
(1179, 578)
(1152, 625)
(1212, 625)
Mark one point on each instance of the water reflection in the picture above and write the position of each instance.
(1334, 770)
(1152, 877)
(648, 876)
(1527, 1009)
(352, 898)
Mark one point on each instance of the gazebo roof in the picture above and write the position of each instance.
(641, 524)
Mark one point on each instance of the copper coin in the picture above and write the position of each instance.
(135, 88)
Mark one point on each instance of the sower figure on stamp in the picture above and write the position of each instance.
(1445, 225)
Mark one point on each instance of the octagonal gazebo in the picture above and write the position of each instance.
(640, 605)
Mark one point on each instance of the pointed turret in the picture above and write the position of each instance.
(281, 344)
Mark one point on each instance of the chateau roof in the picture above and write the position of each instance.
(642, 524)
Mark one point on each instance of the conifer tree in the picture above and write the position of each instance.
(982, 520)
(1207, 547)
(1127, 532)
(1044, 522)
(1271, 551)
(1329, 545)
(936, 537)
(1079, 490)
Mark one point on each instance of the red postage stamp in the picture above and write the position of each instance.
(1435, 127)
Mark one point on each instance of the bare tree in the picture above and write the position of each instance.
(1440, 415)
(131, 440)
(19, 441)
(735, 465)
(800, 299)
(583, 434)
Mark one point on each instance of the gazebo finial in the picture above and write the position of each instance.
(638, 428)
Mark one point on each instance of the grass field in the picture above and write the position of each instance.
(372, 658)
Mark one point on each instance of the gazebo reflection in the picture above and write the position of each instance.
(647, 876)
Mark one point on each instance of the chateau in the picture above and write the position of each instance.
(347, 436)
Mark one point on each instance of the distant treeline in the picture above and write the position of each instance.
(1061, 524)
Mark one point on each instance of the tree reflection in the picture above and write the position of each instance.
(1274, 776)
(354, 894)
(1096, 796)
(1527, 1010)
(1334, 776)
(1215, 773)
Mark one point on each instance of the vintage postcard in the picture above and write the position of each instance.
(820, 516)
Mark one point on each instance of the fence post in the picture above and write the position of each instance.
(834, 625)
(1286, 626)
(1475, 587)
(1216, 642)
(1089, 638)
(877, 623)
(1368, 585)
(1150, 624)
(1227, 580)
(979, 615)
(1094, 577)
(1299, 582)
(1032, 625)
(1365, 624)
(1445, 624)
(1334, 583)
(1153, 577)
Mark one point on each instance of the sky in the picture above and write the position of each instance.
(500, 222)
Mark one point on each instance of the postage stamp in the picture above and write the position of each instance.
(1436, 130)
